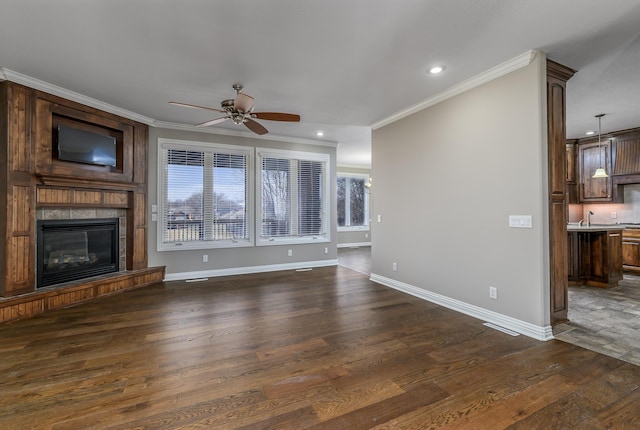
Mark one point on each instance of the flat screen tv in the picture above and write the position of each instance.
(86, 147)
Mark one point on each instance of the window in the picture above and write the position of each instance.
(205, 195)
(293, 196)
(353, 202)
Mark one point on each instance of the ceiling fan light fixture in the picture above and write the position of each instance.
(240, 111)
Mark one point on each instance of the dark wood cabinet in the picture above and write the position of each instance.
(631, 250)
(571, 172)
(595, 257)
(590, 157)
(626, 153)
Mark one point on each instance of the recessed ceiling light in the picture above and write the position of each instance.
(320, 133)
(435, 70)
(590, 133)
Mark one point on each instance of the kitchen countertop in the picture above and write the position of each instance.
(595, 227)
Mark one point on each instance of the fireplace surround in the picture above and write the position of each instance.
(37, 185)
(68, 250)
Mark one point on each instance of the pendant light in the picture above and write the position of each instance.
(600, 172)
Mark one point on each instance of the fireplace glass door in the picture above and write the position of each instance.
(75, 249)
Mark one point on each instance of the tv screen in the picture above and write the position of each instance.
(85, 147)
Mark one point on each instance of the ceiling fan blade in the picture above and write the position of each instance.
(243, 102)
(213, 121)
(194, 106)
(256, 127)
(276, 116)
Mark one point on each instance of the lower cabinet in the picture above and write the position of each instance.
(631, 250)
(595, 258)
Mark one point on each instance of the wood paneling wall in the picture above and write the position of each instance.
(31, 176)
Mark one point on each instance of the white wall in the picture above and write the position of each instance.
(189, 264)
(446, 180)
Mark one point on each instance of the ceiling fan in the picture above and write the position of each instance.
(240, 111)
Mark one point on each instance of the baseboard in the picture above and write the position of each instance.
(522, 327)
(214, 273)
(353, 245)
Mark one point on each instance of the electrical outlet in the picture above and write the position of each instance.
(326, 250)
(614, 215)
(205, 258)
(366, 235)
(379, 218)
(395, 267)
(290, 252)
(493, 293)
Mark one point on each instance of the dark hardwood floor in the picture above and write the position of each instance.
(325, 348)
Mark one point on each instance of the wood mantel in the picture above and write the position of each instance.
(32, 177)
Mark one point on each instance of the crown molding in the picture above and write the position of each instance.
(19, 78)
(240, 133)
(509, 66)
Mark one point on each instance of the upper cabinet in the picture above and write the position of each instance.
(571, 172)
(620, 155)
(590, 157)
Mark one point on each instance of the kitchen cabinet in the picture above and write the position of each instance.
(571, 172)
(631, 250)
(595, 256)
(590, 157)
(626, 155)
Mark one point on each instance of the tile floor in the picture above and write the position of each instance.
(606, 321)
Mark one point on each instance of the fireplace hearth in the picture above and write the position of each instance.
(69, 250)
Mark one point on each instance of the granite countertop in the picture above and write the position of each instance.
(595, 227)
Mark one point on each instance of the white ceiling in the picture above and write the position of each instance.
(343, 65)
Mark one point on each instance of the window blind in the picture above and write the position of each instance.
(293, 195)
(205, 196)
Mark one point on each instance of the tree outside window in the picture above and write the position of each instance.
(353, 202)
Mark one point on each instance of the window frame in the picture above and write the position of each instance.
(262, 153)
(365, 227)
(215, 148)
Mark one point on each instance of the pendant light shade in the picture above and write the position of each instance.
(600, 172)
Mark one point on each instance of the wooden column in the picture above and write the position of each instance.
(17, 192)
(557, 77)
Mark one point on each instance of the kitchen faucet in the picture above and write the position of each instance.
(589, 218)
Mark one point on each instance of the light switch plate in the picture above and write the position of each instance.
(520, 221)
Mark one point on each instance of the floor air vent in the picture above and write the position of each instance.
(502, 329)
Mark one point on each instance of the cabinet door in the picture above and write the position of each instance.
(571, 163)
(630, 253)
(590, 157)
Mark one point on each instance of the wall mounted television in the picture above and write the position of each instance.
(82, 146)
